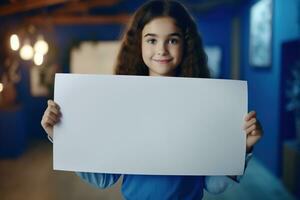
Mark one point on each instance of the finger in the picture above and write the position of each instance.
(53, 107)
(47, 122)
(53, 104)
(50, 120)
(48, 126)
(53, 116)
(250, 123)
(255, 133)
(49, 129)
(251, 129)
(53, 110)
(50, 114)
(250, 115)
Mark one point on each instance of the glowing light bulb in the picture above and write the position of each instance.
(41, 46)
(38, 58)
(26, 51)
(14, 42)
(1, 87)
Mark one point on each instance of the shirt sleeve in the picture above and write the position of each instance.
(218, 184)
(99, 180)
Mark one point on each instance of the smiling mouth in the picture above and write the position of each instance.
(162, 61)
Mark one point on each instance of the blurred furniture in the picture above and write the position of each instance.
(291, 165)
(12, 132)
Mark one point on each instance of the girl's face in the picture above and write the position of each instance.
(162, 46)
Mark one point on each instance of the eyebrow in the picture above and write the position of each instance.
(155, 35)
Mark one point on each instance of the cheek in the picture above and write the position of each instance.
(144, 56)
(178, 52)
(146, 51)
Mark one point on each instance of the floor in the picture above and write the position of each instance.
(31, 177)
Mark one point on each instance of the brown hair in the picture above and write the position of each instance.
(194, 60)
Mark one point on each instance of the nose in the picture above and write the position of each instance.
(162, 49)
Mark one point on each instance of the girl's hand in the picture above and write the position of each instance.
(51, 117)
(253, 130)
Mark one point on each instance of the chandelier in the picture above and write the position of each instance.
(30, 46)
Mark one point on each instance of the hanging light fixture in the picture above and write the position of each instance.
(1, 87)
(32, 47)
(41, 46)
(14, 42)
(26, 51)
(38, 58)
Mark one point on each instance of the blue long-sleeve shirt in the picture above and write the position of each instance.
(160, 187)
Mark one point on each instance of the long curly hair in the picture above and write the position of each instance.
(194, 60)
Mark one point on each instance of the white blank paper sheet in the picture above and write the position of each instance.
(150, 125)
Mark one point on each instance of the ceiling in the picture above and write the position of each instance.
(64, 12)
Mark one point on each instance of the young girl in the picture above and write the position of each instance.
(161, 40)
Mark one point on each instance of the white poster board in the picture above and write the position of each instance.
(150, 125)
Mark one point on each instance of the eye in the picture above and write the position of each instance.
(173, 41)
(151, 41)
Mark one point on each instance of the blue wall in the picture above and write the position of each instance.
(215, 29)
(264, 84)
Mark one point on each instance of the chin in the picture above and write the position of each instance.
(163, 70)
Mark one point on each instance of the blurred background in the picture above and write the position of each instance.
(252, 40)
